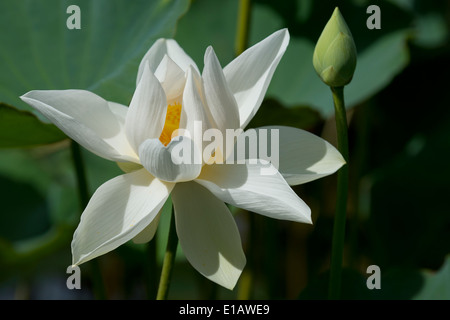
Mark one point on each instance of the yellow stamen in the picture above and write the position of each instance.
(172, 122)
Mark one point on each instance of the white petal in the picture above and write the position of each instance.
(149, 231)
(147, 111)
(194, 105)
(128, 167)
(159, 49)
(250, 73)
(244, 186)
(302, 156)
(194, 116)
(86, 118)
(171, 78)
(119, 110)
(119, 210)
(179, 161)
(220, 100)
(208, 234)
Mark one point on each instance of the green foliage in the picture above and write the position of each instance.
(381, 54)
(24, 129)
(102, 56)
(38, 189)
(396, 284)
(398, 214)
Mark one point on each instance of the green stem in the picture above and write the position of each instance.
(243, 26)
(241, 44)
(83, 193)
(245, 285)
(151, 269)
(342, 192)
(169, 259)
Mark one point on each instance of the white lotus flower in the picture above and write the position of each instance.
(172, 94)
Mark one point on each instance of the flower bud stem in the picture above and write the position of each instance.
(243, 26)
(169, 259)
(342, 191)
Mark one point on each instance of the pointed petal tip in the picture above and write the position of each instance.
(231, 284)
(208, 52)
(285, 31)
(302, 212)
(258, 63)
(305, 215)
(189, 71)
(282, 33)
(339, 160)
(82, 259)
(27, 96)
(234, 275)
(231, 278)
(76, 259)
(309, 220)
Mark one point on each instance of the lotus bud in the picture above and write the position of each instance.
(335, 53)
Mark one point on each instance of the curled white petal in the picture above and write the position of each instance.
(179, 161)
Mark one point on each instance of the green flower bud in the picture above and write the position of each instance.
(335, 53)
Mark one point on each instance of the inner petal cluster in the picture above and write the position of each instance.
(171, 123)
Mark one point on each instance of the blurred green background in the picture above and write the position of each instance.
(399, 122)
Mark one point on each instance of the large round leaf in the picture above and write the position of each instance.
(39, 51)
(22, 129)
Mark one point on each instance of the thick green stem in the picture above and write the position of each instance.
(241, 44)
(169, 259)
(337, 250)
(243, 26)
(83, 193)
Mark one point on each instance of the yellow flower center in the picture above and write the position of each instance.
(172, 122)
